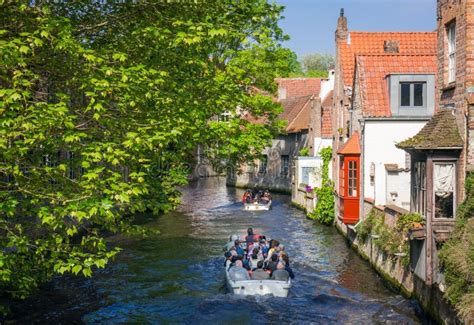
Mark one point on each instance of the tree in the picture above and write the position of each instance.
(101, 107)
(317, 64)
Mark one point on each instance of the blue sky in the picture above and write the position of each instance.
(311, 23)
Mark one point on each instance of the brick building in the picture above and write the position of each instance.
(274, 170)
(443, 151)
(365, 47)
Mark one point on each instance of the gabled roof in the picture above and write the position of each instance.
(441, 132)
(373, 70)
(299, 87)
(326, 116)
(373, 43)
(352, 146)
(297, 112)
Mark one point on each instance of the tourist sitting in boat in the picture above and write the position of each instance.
(272, 263)
(259, 273)
(265, 198)
(237, 272)
(228, 260)
(238, 248)
(280, 274)
(231, 242)
(273, 248)
(247, 197)
(255, 258)
(288, 269)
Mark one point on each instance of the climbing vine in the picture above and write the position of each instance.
(324, 211)
(457, 258)
(392, 240)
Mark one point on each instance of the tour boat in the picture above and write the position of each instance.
(258, 287)
(257, 206)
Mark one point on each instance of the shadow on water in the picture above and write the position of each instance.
(177, 276)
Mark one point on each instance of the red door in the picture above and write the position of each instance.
(349, 188)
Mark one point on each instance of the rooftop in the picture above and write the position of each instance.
(373, 70)
(373, 43)
(441, 132)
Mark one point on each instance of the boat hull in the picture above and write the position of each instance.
(257, 206)
(258, 287)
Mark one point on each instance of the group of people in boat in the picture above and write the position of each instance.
(256, 196)
(256, 258)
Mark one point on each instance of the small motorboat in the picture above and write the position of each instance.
(257, 206)
(258, 287)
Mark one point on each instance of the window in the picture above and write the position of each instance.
(352, 179)
(444, 184)
(285, 165)
(413, 94)
(305, 171)
(451, 32)
(419, 187)
(263, 165)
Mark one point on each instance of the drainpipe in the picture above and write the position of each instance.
(362, 173)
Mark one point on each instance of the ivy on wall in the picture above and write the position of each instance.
(324, 212)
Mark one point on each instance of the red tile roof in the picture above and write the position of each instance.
(372, 71)
(373, 43)
(297, 112)
(298, 87)
(352, 146)
(326, 116)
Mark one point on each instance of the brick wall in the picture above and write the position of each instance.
(457, 93)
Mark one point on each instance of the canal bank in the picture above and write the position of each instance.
(177, 276)
(395, 269)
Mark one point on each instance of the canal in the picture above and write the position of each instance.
(177, 276)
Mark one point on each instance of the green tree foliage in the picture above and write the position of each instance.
(317, 64)
(101, 106)
(457, 258)
(324, 211)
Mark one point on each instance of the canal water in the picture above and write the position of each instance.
(178, 277)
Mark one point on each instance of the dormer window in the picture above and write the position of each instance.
(412, 94)
(451, 32)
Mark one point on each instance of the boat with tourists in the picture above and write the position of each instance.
(257, 200)
(257, 266)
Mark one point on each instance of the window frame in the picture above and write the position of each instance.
(451, 54)
(455, 165)
(412, 94)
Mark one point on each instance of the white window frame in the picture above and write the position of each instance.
(451, 33)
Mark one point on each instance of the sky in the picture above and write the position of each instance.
(311, 23)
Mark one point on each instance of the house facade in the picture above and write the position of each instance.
(442, 153)
(384, 92)
(275, 170)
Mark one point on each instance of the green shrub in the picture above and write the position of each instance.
(324, 212)
(457, 258)
(304, 152)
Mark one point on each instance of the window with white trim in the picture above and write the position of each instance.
(451, 32)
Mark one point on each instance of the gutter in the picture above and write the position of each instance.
(362, 171)
(398, 118)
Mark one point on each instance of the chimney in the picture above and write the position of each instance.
(391, 46)
(341, 31)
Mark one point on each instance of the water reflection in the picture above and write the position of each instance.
(177, 276)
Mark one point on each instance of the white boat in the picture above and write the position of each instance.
(257, 206)
(258, 287)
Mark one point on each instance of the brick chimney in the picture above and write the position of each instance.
(391, 46)
(341, 31)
